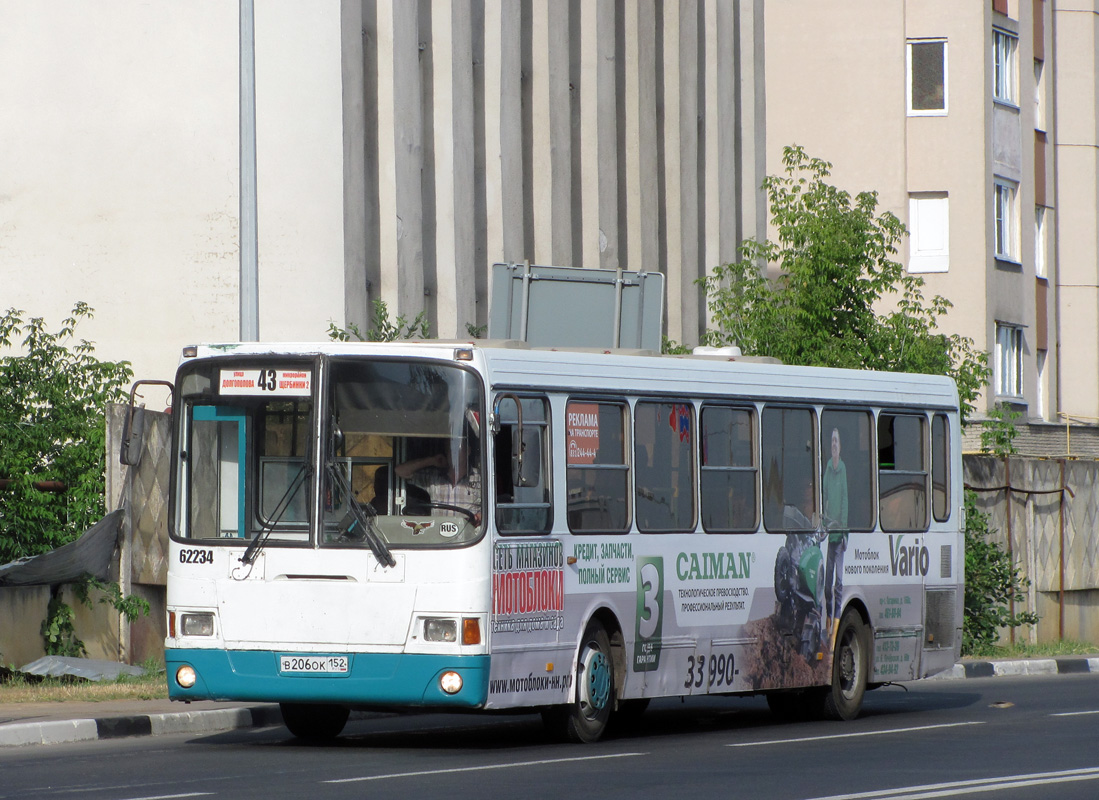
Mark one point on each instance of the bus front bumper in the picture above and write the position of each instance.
(382, 679)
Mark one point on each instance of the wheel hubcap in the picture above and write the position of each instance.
(597, 680)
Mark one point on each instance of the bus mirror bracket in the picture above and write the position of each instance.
(133, 425)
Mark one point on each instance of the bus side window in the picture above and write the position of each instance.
(729, 474)
(940, 468)
(789, 468)
(596, 467)
(847, 470)
(902, 472)
(522, 484)
(664, 467)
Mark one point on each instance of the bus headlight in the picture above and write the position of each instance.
(197, 624)
(440, 630)
(450, 682)
(185, 676)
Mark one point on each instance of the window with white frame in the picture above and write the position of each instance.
(926, 77)
(1005, 74)
(1009, 360)
(1040, 255)
(929, 232)
(1005, 208)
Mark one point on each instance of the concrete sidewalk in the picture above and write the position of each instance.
(53, 723)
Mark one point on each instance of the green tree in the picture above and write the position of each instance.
(53, 399)
(836, 280)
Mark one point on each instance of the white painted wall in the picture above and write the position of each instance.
(119, 179)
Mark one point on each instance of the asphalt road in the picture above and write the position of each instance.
(1004, 738)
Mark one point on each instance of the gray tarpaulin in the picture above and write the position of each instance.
(91, 554)
(90, 668)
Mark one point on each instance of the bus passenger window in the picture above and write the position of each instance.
(729, 475)
(902, 473)
(663, 466)
(521, 459)
(940, 469)
(789, 469)
(596, 469)
(847, 470)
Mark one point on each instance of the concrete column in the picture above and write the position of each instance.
(356, 296)
(407, 132)
(454, 165)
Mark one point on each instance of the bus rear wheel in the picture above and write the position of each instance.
(314, 721)
(585, 719)
(850, 668)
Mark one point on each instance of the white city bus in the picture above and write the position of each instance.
(486, 525)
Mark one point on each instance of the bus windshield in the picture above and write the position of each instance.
(387, 454)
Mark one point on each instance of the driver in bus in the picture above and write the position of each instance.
(448, 474)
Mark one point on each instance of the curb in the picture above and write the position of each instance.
(1009, 669)
(81, 730)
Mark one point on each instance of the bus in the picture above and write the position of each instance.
(486, 525)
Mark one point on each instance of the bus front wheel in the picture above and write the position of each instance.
(850, 666)
(585, 719)
(314, 720)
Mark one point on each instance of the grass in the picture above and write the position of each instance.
(1066, 647)
(17, 687)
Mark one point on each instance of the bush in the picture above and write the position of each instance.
(992, 582)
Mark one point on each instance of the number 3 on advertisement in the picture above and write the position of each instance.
(650, 612)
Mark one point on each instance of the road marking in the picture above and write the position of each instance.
(977, 786)
(483, 767)
(171, 796)
(852, 735)
(1073, 713)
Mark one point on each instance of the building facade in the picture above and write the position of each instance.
(402, 148)
(976, 124)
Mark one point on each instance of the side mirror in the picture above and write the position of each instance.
(133, 426)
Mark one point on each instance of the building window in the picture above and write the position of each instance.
(929, 232)
(1006, 210)
(926, 76)
(1043, 403)
(1040, 256)
(1009, 360)
(1039, 97)
(1004, 72)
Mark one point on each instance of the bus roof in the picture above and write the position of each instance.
(514, 365)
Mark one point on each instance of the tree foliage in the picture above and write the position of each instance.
(838, 298)
(53, 399)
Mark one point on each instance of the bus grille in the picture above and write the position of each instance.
(939, 624)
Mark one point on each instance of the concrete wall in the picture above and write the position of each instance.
(22, 610)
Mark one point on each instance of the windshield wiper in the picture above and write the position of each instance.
(361, 524)
(260, 539)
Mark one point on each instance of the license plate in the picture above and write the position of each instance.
(328, 665)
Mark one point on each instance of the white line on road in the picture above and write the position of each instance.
(171, 796)
(482, 767)
(1073, 713)
(851, 735)
(957, 788)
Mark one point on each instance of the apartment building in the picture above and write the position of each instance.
(975, 122)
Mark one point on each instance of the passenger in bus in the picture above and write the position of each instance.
(449, 475)
(834, 485)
